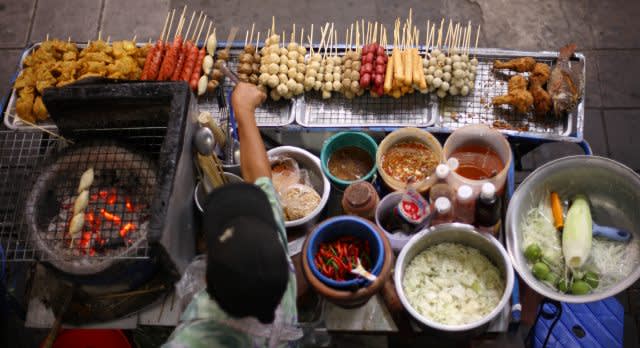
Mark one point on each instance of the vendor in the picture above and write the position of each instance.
(250, 298)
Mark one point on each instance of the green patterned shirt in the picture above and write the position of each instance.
(205, 324)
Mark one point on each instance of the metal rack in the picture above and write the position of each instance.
(22, 154)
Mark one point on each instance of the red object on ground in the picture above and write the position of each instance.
(91, 338)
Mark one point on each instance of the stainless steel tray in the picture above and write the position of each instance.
(270, 114)
(476, 108)
(415, 110)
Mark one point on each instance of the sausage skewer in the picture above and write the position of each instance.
(158, 51)
(192, 56)
(183, 52)
(147, 63)
(170, 59)
(195, 75)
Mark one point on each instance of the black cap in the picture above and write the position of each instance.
(247, 270)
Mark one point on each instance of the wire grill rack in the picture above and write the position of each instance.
(22, 154)
(476, 108)
(417, 110)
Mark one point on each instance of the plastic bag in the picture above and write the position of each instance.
(193, 280)
(298, 201)
(285, 172)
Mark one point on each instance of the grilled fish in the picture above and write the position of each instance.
(565, 82)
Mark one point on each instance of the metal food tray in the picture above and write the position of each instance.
(270, 114)
(476, 108)
(415, 110)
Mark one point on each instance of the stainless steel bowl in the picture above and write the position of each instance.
(465, 235)
(614, 194)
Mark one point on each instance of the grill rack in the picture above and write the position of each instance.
(22, 154)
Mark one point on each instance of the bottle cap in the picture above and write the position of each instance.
(464, 192)
(358, 194)
(442, 171)
(488, 191)
(453, 163)
(443, 205)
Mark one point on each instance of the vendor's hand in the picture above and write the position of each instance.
(246, 98)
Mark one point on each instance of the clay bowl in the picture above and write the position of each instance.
(356, 296)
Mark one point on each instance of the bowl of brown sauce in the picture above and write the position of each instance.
(348, 157)
(408, 155)
(483, 155)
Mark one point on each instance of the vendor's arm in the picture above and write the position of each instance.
(253, 156)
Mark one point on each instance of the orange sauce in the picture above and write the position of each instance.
(477, 162)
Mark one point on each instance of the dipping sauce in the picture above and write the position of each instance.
(477, 162)
(350, 163)
(409, 160)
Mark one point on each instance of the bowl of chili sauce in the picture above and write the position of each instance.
(334, 246)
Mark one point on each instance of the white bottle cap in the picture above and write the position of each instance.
(443, 205)
(442, 171)
(464, 193)
(488, 191)
(453, 163)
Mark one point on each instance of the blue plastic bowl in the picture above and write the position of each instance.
(336, 227)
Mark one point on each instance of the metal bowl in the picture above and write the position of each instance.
(614, 194)
(465, 235)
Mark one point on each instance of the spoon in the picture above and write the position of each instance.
(611, 233)
(203, 141)
(359, 270)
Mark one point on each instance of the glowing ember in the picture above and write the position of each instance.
(111, 217)
(126, 229)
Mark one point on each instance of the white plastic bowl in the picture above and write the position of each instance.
(319, 181)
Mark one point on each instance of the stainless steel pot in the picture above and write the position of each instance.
(465, 235)
(614, 194)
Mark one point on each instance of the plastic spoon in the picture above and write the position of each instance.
(359, 270)
(611, 233)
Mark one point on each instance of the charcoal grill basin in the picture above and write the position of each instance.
(116, 166)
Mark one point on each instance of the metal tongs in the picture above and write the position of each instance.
(228, 73)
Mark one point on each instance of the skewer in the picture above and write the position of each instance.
(200, 31)
(99, 35)
(477, 36)
(273, 24)
(246, 38)
(173, 12)
(230, 38)
(47, 37)
(253, 26)
(40, 128)
(335, 44)
(469, 37)
(302, 37)
(208, 32)
(257, 40)
(193, 35)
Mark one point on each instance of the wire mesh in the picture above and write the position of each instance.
(477, 108)
(38, 229)
(417, 110)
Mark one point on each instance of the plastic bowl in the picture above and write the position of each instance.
(339, 226)
(344, 139)
(310, 162)
(484, 136)
(401, 136)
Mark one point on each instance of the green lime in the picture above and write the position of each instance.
(580, 287)
(552, 278)
(563, 285)
(533, 252)
(592, 279)
(540, 270)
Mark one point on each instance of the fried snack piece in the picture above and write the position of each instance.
(39, 110)
(523, 64)
(541, 99)
(540, 74)
(24, 104)
(27, 78)
(517, 96)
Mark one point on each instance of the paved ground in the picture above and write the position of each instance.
(606, 31)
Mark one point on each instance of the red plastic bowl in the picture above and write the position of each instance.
(91, 338)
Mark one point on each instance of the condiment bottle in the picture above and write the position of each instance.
(361, 199)
(488, 210)
(465, 205)
(441, 188)
(443, 212)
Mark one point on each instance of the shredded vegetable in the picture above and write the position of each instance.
(452, 284)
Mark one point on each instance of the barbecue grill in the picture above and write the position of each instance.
(137, 236)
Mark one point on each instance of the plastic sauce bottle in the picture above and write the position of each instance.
(465, 205)
(488, 210)
(360, 199)
(443, 211)
(441, 188)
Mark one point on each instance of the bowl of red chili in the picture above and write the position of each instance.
(334, 246)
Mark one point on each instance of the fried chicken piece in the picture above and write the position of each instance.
(97, 57)
(522, 64)
(518, 96)
(24, 104)
(70, 56)
(540, 74)
(27, 78)
(39, 110)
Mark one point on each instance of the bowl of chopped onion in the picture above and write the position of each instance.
(451, 278)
